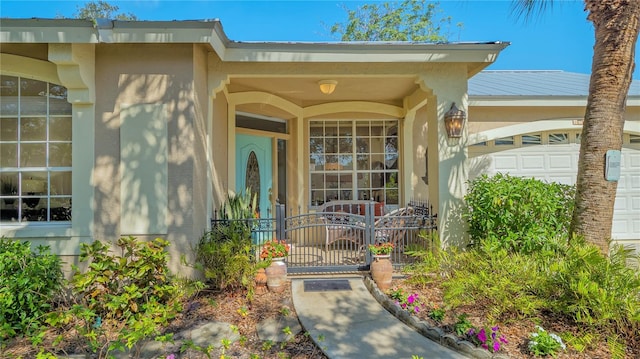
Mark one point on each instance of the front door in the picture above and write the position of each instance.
(254, 170)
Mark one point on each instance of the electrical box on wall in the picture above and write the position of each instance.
(612, 165)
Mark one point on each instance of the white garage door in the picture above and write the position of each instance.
(553, 156)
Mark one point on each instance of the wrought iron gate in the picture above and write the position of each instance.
(338, 240)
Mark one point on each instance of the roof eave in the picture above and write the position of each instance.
(526, 101)
(211, 32)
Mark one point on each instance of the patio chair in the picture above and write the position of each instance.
(391, 227)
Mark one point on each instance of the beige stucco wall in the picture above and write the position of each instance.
(490, 122)
(219, 148)
(417, 161)
(169, 76)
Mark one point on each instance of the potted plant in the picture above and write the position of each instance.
(275, 251)
(381, 267)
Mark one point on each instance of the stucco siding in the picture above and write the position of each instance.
(158, 75)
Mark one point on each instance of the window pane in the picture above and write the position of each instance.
(8, 86)
(531, 139)
(33, 155)
(60, 129)
(377, 162)
(9, 184)
(345, 129)
(331, 144)
(34, 183)
(317, 197)
(8, 129)
(391, 196)
(377, 180)
(505, 141)
(60, 209)
(33, 129)
(9, 95)
(362, 145)
(362, 129)
(59, 106)
(33, 97)
(634, 139)
(60, 155)
(346, 145)
(363, 162)
(346, 162)
(558, 138)
(8, 155)
(60, 183)
(331, 128)
(364, 180)
(315, 129)
(364, 194)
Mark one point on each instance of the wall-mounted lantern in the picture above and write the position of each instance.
(454, 121)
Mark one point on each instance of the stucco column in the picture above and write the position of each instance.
(75, 64)
(448, 169)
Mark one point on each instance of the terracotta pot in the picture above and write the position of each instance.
(382, 271)
(261, 281)
(277, 275)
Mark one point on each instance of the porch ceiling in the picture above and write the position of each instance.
(304, 91)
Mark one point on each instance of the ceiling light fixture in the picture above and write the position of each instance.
(327, 86)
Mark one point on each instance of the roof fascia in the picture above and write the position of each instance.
(537, 101)
(362, 52)
(47, 31)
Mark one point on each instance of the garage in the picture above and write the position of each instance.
(553, 156)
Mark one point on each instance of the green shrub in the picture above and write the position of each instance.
(28, 282)
(600, 292)
(131, 294)
(226, 257)
(226, 253)
(519, 214)
(506, 283)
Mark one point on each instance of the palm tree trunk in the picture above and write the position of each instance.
(616, 24)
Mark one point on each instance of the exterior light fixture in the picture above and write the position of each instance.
(454, 121)
(327, 86)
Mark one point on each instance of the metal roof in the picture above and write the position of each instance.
(534, 83)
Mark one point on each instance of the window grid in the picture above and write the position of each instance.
(353, 160)
(36, 178)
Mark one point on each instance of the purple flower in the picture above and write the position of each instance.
(496, 346)
(493, 335)
(471, 331)
(503, 339)
(417, 309)
(482, 336)
(171, 356)
(411, 299)
(485, 346)
(495, 329)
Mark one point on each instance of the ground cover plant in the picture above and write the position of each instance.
(121, 298)
(28, 281)
(514, 281)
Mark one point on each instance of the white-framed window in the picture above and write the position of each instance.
(353, 159)
(35, 151)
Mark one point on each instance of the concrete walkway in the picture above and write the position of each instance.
(352, 324)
